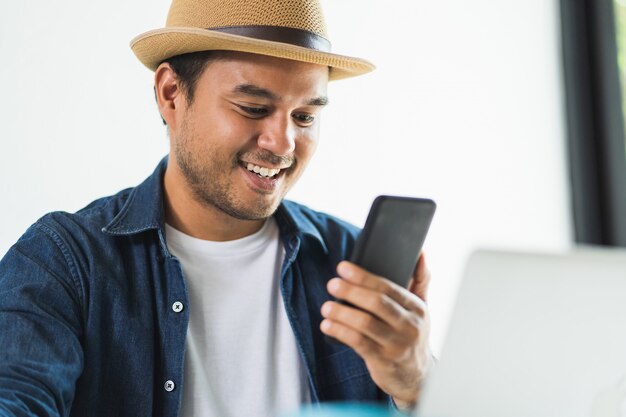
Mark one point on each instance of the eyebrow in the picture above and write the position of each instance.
(318, 101)
(256, 91)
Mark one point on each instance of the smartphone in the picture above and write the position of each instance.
(391, 240)
(393, 235)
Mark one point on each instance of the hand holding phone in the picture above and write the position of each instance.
(391, 240)
(394, 346)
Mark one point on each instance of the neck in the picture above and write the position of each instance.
(184, 213)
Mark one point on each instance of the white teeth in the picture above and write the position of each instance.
(265, 172)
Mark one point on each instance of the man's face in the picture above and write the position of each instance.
(251, 130)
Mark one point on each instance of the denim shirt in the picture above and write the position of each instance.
(91, 322)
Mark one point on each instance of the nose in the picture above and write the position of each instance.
(278, 135)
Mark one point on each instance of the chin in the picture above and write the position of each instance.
(252, 211)
(267, 211)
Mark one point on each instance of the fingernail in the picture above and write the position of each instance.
(326, 309)
(345, 270)
(325, 325)
(333, 285)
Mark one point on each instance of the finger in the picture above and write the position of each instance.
(381, 305)
(359, 276)
(364, 323)
(363, 345)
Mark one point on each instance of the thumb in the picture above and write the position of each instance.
(421, 279)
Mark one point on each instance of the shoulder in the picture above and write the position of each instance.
(63, 247)
(88, 221)
(59, 240)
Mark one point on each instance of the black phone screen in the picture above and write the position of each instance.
(393, 235)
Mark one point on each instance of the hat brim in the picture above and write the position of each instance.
(155, 46)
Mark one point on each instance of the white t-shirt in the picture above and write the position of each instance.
(241, 355)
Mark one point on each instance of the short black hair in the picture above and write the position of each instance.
(188, 68)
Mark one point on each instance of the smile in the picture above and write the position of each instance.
(262, 172)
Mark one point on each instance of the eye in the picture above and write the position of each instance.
(304, 119)
(253, 111)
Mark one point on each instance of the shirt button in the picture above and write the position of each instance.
(177, 307)
(169, 386)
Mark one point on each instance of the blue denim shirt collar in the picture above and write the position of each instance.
(144, 210)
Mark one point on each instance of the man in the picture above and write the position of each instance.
(202, 292)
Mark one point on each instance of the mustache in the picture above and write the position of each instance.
(267, 157)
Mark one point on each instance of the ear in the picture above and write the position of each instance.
(169, 96)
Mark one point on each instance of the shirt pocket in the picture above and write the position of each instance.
(343, 376)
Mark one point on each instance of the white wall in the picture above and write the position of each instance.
(466, 107)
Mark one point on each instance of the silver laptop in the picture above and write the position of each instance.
(535, 335)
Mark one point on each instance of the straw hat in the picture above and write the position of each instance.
(291, 29)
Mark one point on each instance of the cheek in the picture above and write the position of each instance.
(306, 147)
(225, 131)
(231, 130)
(229, 122)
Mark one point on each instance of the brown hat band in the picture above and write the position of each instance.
(297, 37)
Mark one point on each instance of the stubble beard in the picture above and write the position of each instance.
(211, 183)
